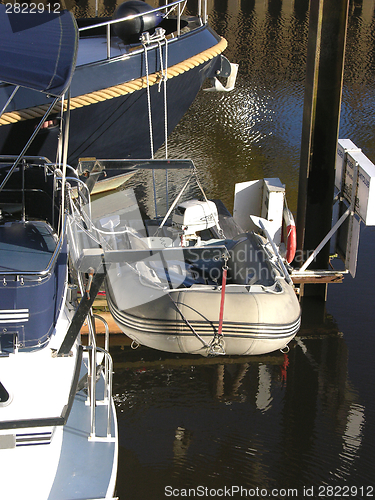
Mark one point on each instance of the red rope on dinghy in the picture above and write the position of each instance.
(221, 313)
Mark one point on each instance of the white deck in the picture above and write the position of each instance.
(63, 462)
(38, 383)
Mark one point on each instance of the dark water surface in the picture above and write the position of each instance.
(301, 425)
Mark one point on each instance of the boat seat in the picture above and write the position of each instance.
(25, 246)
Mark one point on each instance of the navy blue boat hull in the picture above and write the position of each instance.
(116, 128)
(119, 126)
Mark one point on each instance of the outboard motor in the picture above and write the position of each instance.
(130, 30)
(193, 216)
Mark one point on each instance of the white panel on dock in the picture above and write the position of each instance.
(352, 246)
(272, 207)
(262, 198)
(247, 201)
(348, 156)
(344, 146)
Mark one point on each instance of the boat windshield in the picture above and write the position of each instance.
(155, 184)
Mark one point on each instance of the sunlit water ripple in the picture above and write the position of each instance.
(307, 420)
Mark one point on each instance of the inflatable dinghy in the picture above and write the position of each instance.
(183, 276)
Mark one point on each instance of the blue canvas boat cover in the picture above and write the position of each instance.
(38, 49)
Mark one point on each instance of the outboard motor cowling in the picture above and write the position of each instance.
(130, 30)
(193, 216)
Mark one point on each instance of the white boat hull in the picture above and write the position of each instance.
(61, 461)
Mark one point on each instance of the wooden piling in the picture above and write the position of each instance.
(321, 117)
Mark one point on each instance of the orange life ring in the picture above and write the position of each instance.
(291, 235)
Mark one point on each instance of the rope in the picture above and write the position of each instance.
(118, 90)
(187, 322)
(217, 346)
(149, 111)
(221, 312)
(165, 79)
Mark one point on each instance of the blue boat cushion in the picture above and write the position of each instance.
(38, 49)
(247, 264)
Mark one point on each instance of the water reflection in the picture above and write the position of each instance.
(298, 421)
(286, 419)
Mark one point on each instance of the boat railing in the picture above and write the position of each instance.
(58, 178)
(177, 5)
(93, 401)
(53, 168)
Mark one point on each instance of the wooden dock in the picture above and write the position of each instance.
(300, 279)
(319, 276)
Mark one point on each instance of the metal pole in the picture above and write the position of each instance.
(65, 160)
(108, 41)
(321, 117)
(92, 373)
(9, 100)
(81, 313)
(179, 19)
